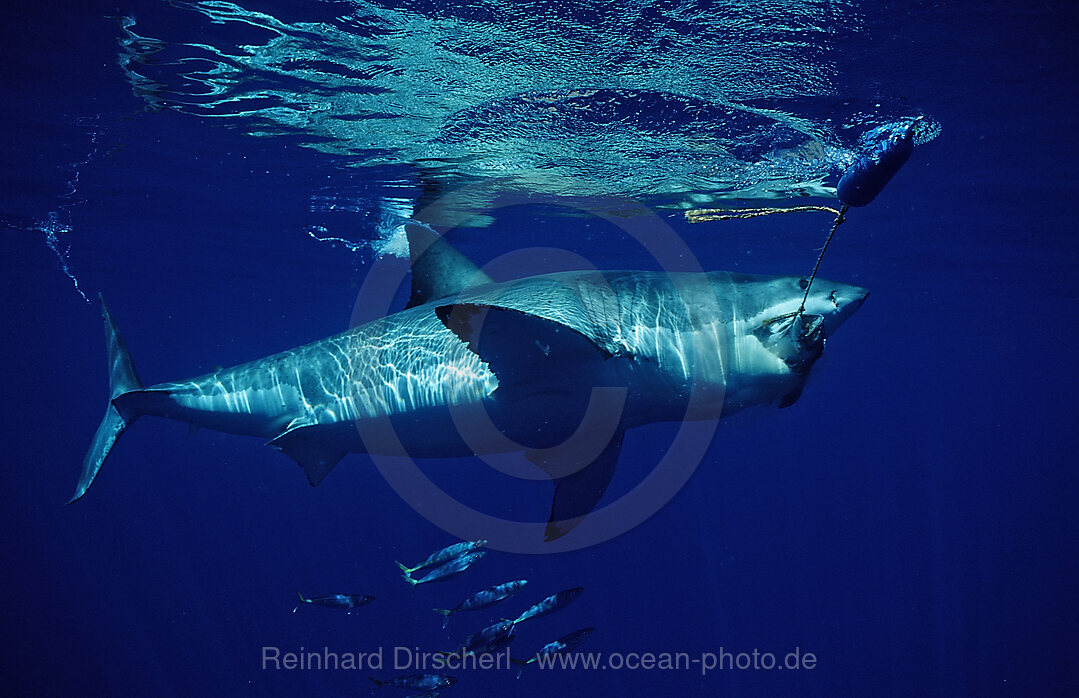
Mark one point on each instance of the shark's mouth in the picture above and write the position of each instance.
(796, 338)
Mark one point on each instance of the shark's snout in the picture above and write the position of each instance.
(845, 299)
(835, 302)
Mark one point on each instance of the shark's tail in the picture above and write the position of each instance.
(122, 379)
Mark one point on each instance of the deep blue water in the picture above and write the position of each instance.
(910, 521)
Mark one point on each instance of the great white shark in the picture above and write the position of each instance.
(472, 366)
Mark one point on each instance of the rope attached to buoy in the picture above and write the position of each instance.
(703, 215)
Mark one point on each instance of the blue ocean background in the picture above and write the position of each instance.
(911, 521)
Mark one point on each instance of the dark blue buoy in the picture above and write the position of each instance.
(890, 148)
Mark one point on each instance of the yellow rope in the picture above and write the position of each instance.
(702, 215)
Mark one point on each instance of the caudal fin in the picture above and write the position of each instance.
(406, 572)
(122, 379)
(445, 615)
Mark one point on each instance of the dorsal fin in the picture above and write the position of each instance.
(438, 270)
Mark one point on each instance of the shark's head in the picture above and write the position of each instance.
(776, 341)
(832, 301)
(795, 334)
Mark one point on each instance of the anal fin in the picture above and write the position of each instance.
(316, 457)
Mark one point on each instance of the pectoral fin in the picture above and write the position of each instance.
(577, 494)
(791, 397)
(316, 457)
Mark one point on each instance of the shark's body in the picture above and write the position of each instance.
(529, 352)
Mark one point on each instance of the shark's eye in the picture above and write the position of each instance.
(832, 297)
(803, 284)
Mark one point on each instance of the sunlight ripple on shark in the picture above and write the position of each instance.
(526, 352)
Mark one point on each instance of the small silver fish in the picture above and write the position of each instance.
(448, 553)
(427, 682)
(492, 645)
(566, 643)
(483, 638)
(550, 604)
(491, 639)
(483, 599)
(450, 569)
(345, 601)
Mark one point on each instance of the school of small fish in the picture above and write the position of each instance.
(447, 563)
